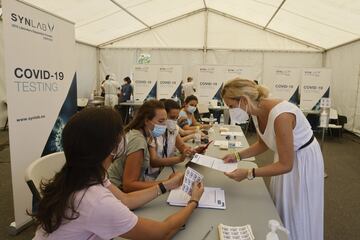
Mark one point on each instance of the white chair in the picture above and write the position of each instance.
(41, 169)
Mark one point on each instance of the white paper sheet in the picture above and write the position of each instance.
(190, 177)
(214, 163)
(238, 134)
(237, 144)
(211, 198)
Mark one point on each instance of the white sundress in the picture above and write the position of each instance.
(299, 194)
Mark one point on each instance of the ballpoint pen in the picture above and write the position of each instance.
(208, 232)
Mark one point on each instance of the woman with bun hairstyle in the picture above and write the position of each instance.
(297, 173)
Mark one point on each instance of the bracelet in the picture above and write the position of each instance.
(195, 201)
(237, 156)
(162, 188)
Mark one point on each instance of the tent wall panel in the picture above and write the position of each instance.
(87, 65)
(345, 63)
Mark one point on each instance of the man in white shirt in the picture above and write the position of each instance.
(111, 88)
(188, 87)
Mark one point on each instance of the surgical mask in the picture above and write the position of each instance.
(191, 109)
(238, 115)
(171, 124)
(158, 130)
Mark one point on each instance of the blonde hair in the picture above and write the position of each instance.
(238, 87)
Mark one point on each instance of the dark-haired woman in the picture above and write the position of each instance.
(132, 171)
(187, 112)
(79, 203)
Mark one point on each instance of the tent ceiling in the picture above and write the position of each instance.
(322, 23)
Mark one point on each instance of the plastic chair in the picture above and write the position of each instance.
(41, 169)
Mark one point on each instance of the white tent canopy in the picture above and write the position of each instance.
(305, 25)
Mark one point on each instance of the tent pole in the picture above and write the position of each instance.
(206, 30)
(273, 16)
(344, 44)
(128, 12)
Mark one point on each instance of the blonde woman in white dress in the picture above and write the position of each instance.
(297, 173)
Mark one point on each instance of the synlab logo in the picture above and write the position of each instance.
(29, 22)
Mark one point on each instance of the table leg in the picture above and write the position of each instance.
(322, 148)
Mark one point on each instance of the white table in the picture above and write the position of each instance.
(247, 202)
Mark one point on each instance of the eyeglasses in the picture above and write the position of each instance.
(119, 149)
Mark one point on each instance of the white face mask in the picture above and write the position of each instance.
(191, 109)
(171, 124)
(238, 115)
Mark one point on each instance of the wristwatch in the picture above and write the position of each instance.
(250, 175)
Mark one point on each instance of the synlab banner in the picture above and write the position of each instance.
(285, 84)
(41, 89)
(145, 79)
(169, 81)
(315, 84)
(209, 83)
(210, 79)
(243, 72)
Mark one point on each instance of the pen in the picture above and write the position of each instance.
(172, 168)
(208, 232)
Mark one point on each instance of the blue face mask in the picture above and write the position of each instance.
(158, 130)
(191, 109)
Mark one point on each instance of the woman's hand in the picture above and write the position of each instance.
(197, 190)
(238, 174)
(174, 181)
(182, 157)
(230, 158)
(189, 151)
(203, 136)
(200, 149)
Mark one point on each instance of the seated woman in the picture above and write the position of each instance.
(130, 172)
(187, 135)
(164, 154)
(188, 112)
(79, 202)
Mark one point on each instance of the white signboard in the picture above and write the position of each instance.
(169, 81)
(209, 83)
(315, 84)
(145, 79)
(210, 79)
(40, 77)
(243, 72)
(285, 83)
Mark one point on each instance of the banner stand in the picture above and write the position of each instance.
(41, 92)
(13, 230)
